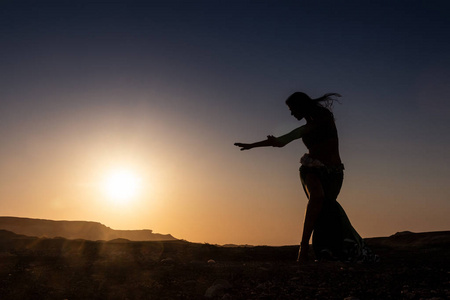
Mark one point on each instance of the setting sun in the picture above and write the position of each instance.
(121, 186)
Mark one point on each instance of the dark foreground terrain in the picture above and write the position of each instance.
(413, 266)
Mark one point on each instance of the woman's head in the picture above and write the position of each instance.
(299, 103)
(302, 105)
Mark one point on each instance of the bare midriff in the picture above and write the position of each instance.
(326, 151)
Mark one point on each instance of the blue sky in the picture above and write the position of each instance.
(167, 87)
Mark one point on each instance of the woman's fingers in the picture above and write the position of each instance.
(242, 145)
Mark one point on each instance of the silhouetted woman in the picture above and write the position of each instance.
(321, 174)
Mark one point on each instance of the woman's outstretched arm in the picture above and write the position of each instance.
(272, 141)
(266, 143)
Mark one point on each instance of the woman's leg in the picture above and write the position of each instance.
(314, 189)
(328, 239)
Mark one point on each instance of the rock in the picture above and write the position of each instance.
(218, 287)
(227, 297)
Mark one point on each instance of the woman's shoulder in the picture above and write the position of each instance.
(323, 114)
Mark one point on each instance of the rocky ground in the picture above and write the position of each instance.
(413, 266)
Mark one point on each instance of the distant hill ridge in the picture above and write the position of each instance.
(76, 230)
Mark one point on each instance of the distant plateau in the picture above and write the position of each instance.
(93, 231)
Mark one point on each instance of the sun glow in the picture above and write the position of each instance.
(121, 186)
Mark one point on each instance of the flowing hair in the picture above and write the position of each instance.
(327, 100)
(302, 100)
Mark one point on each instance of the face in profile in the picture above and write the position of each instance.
(297, 113)
(298, 104)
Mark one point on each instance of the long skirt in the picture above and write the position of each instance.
(334, 236)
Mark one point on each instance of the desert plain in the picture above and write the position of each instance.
(412, 266)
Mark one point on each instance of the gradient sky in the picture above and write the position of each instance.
(164, 89)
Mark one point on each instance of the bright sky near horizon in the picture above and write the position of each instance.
(158, 91)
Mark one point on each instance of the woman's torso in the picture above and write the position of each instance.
(322, 141)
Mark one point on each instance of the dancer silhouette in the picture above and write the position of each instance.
(321, 175)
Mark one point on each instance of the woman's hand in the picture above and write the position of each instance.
(273, 141)
(244, 146)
